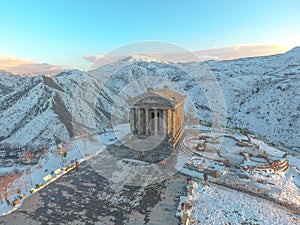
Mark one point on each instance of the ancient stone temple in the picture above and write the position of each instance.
(158, 112)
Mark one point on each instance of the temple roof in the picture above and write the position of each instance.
(171, 96)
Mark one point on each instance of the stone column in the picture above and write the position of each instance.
(147, 121)
(135, 119)
(176, 122)
(155, 122)
(173, 119)
(165, 121)
(131, 118)
(139, 121)
(140, 128)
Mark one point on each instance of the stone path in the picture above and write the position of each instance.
(85, 197)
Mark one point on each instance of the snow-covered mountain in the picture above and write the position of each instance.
(260, 93)
(8, 82)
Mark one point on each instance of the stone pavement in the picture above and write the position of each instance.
(85, 197)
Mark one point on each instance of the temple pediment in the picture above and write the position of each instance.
(165, 96)
(149, 100)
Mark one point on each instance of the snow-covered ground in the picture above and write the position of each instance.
(52, 166)
(218, 205)
(212, 205)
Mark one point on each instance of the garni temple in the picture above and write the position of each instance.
(158, 112)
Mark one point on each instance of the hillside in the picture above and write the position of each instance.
(260, 94)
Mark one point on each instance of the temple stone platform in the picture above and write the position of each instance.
(155, 149)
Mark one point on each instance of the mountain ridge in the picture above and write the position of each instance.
(260, 95)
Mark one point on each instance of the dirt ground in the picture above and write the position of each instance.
(85, 197)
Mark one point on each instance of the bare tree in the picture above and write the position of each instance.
(9, 184)
(27, 158)
(18, 147)
(44, 153)
(62, 150)
(7, 147)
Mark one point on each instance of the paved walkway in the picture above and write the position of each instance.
(85, 197)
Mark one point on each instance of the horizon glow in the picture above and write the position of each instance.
(63, 32)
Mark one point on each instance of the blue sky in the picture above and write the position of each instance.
(62, 32)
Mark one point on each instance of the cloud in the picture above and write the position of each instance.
(101, 60)
(28, 66)
(221, 53)
(241, 51)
